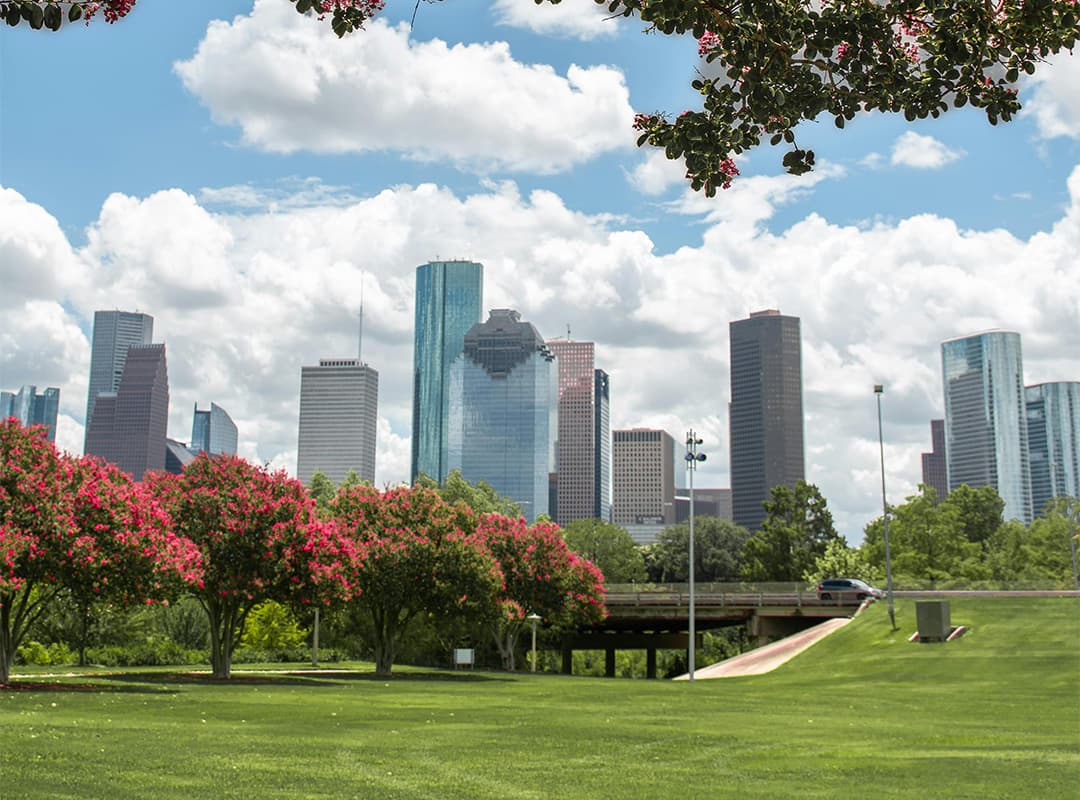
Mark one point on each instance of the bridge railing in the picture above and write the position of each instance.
(740, 595)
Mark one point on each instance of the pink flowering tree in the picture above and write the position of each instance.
(541, 575)
(123, 549)
(259, 539)
(36, 529)
(419, 556)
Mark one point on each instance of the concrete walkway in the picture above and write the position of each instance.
(769, 657)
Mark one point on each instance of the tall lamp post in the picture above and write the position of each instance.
(878, 390)
(692, 459)
(533, 618)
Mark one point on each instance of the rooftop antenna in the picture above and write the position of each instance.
(360, 343)
(568, 331)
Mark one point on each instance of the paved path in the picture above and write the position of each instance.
(768, 657)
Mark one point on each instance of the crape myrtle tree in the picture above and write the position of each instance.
(76, 527)
(418, 556)
(541, 575)
(769, 66)
(260, 539)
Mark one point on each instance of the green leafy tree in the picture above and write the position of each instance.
(796, 531)
(1052, 540)
(718, 551)
(322, 490)
(771, 66)
(841, 561)
(979, 512)
(607, 546)
(272, 626)
(926, 541)
(480, 497)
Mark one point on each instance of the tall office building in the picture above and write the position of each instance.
(643, 477)
(986, 434)
(31, 408)
(1053, 425)
(339, 411)
(502, 413)
(449, 301)
(114, 332)
(582, 434)
(213, 431)
(128, 426)
(766, 411)
(934, 473)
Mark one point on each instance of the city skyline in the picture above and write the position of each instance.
(251, 245)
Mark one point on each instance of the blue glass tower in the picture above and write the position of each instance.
(1053, 422)
(449, 299)
(502, 412)
(986, 432)
(213, 431)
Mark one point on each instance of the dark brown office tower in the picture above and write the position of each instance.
(766, 413)
(934, 473)
(128, 428)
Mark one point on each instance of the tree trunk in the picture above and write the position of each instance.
(385, 629)
(222, 638)
(506, 637)
(7, 647)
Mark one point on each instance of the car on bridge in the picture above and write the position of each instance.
(847, 590)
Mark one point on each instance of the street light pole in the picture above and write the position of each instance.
(533, 618)
(692, 459)
(878, 390)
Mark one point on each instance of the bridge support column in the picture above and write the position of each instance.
(609, 663)
(650, 663)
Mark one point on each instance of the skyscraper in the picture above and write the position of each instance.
(766, 411)
(583, 443)
(114, 332)
(31, 408)
(934, 473)
(502, 411)
(339, 408)
(128, 426)
(986, 433)
(213, 431)
(449, 297)
(643, 481)
(1053, 424)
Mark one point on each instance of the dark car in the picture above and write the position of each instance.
(847, 590)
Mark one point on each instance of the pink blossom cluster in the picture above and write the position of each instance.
(366, 7)
(729, 171)
(112, 10)
(708, 42)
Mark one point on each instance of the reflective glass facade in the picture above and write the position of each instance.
(986, 441)
(114, 332)
(31, 408)
(502, 411)
(449, 299)
(1053, 422)
(766, 411)
(213, 431)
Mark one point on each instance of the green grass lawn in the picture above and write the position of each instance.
(864, 713)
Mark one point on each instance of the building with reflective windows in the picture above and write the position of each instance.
(766, 411)
(583, 438)
(1053, 425)
(339, 412)
(449, 301)
(934, 473)
(502, 410)
(127, 427)
(213, 431)
(31, 408)
(114, 332)
(986, 431)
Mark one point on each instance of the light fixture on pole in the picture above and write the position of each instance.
(692, 459)
(533, 618)
(878, 390)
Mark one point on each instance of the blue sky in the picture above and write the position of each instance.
(236, 171)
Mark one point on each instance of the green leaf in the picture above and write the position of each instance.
(839, 122)
(304, 6)
(75, 12)
(12, 16)
(54, 17)
(37, 15)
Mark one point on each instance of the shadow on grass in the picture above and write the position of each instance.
(38, 686)
(313, 678)
(411, 676)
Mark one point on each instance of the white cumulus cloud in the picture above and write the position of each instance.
(1055, 97)
(578, 19)
(922, 152)
(290, 84)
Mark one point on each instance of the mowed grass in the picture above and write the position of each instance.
(864, 713)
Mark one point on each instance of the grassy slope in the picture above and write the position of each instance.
(993, 715)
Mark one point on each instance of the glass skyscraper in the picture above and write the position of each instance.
(213, 431)
(114, 332)
(502, 410)
(766, 411)
(986, 432)
(1053, 423)
(31, 408)
(449, 299)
